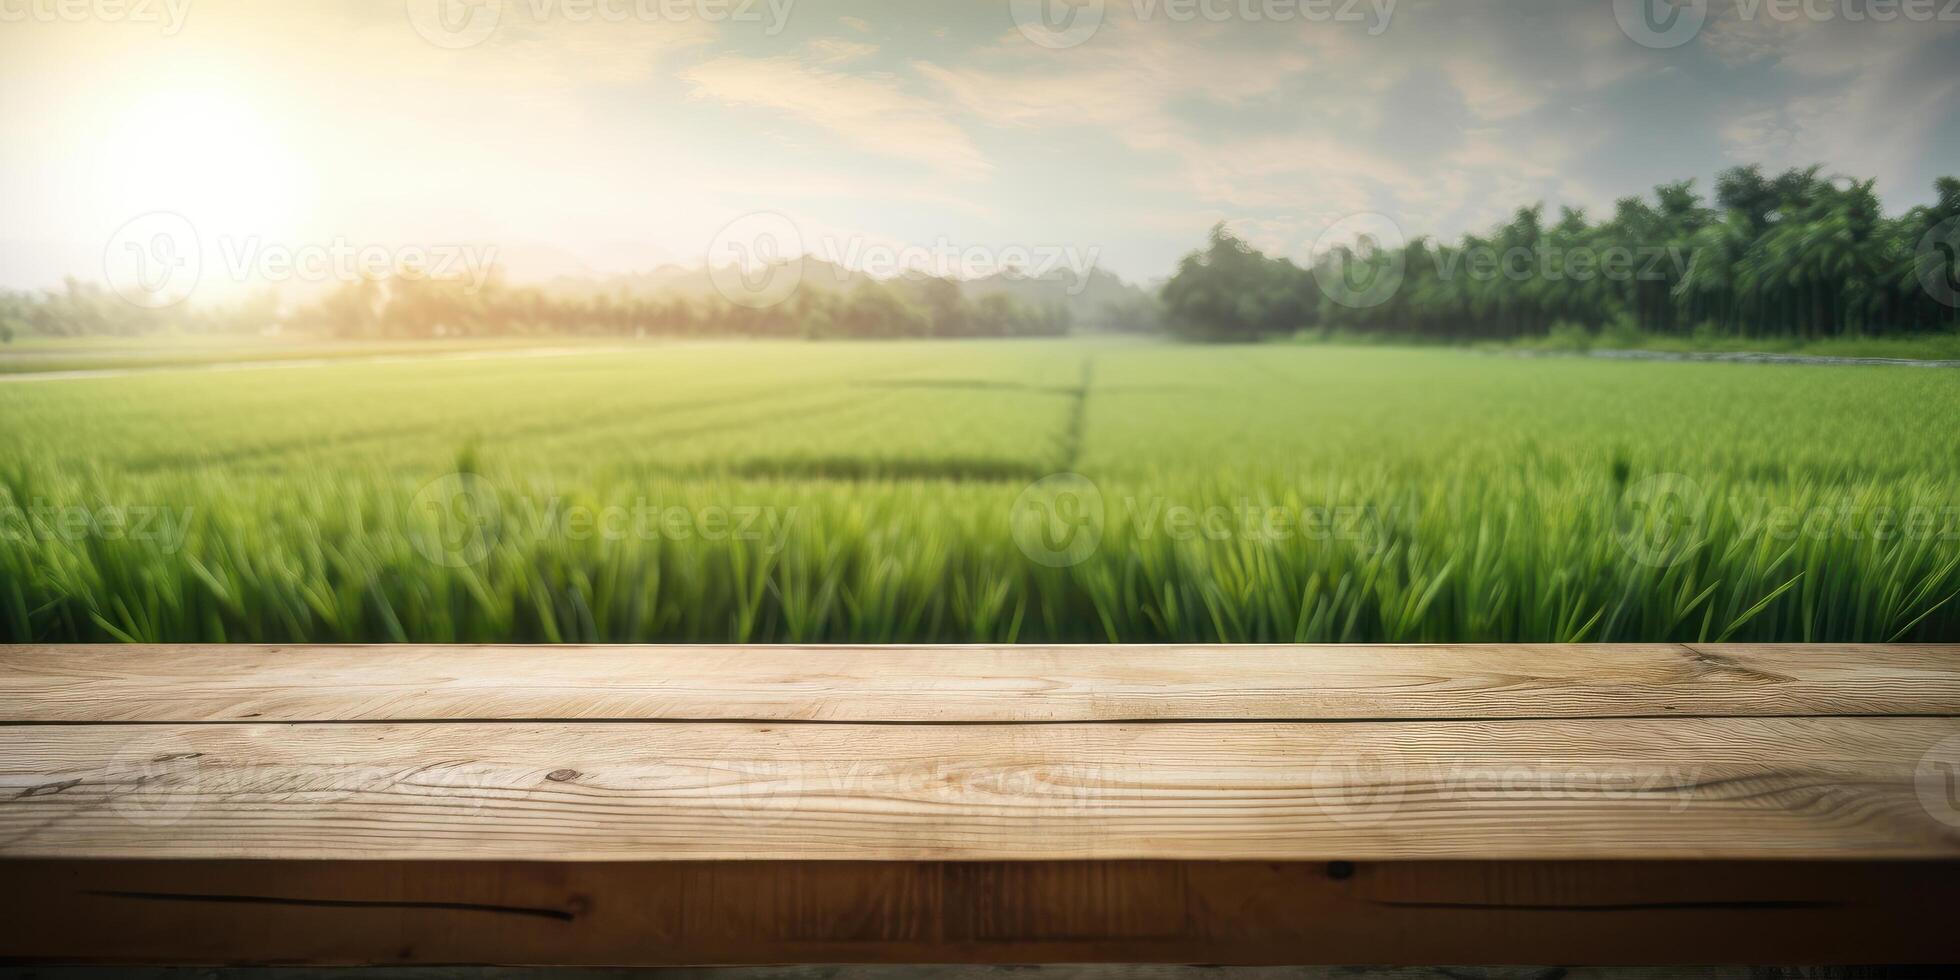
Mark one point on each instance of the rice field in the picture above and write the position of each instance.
(984, 492)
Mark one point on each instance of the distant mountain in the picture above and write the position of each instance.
(670, 281)
(1097, 301)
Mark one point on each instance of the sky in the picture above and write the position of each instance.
(610, 136)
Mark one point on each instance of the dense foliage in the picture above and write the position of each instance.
(86, 309)
(1340, 494)
(423, 308)
(1794, 255)
(403, 307)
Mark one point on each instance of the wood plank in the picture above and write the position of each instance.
(665, 913)
(1817, 788)
(968, 684)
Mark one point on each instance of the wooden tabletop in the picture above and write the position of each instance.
(980, 754)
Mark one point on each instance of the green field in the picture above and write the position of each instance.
(906, 492)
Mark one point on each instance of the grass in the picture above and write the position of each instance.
(758, 492)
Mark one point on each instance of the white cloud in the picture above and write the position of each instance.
(1860, 98)
(832, 52)
(871, 112)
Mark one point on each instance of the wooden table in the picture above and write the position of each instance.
(720, 805)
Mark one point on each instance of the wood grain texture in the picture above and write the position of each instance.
(717, 805)
(664, 913)
(1761, 788)
(968, 684)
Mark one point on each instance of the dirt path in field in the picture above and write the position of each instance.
(22, 377)
(1739, 357)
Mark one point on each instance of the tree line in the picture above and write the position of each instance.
(84, 309)
(1794, 255)
(414, 306)
(419, 307)
(1789, 255)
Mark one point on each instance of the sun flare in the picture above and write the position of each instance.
(208, 155)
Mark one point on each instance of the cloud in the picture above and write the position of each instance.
(556, 129)
(871, 112)
(1860, 98)
(831, 52)
(1286, 130)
